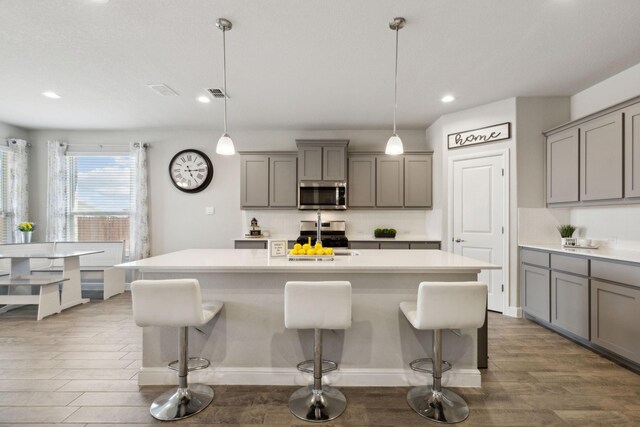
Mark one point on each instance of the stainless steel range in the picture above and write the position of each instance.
(332, 233)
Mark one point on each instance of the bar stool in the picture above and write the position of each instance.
(176, 303)
(317, 306)
(443, 305)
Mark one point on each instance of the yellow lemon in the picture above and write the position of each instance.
(318, 246)
(306, 246)
(302, 252)
(311, 252)
(328, 251)
(297, 246)
(293, 252)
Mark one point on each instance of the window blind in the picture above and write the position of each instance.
(98, 197)
(6, 217)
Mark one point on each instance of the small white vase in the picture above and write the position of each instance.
(26, 236)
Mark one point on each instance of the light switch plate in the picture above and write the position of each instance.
(209, 210)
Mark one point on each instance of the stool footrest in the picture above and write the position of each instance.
(417, 365)
(193, 364)
(307, 366)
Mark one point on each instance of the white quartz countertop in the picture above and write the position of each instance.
(355, 238)
(605, 253)
(257, 260)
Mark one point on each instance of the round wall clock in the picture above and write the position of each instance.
(191, 171)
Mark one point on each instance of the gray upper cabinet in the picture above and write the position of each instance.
(417, 181)
(601, 163)
(282, 181)
(268, 180)
(632, 151)
(254, 181)
(562, 166)
(361, 190)
(321, 160)
(389, 181)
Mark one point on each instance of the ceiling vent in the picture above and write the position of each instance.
(163, 90)
(217, 93)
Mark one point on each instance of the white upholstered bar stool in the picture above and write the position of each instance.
(176, 303)
(317, 306)
(443, 305)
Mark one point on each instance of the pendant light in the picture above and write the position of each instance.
(394, 144)
(225, 144)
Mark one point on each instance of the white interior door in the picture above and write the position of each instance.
(478, 217)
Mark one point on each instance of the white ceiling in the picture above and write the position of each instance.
(322, 64)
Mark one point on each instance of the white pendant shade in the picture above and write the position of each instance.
(394, 145)
(225, 146)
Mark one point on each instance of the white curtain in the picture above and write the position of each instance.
(57, 194)
(139, 245)
(18, 179)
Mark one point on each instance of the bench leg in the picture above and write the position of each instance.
(113, 282)
(49, 301)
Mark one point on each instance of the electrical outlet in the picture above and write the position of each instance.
(210, 210)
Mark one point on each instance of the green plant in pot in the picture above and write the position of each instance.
(384, 232)
(566, 233)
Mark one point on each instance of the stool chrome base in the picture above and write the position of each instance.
(444, 406)
(317, 406)
(179, 403)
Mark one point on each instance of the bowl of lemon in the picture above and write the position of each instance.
(308, 252)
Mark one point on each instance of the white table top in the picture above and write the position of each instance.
(257, 260)
(604, 253)
(41, 254)
(28, 280)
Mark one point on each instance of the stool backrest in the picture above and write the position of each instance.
(451, 305)
(167, 302)
(317, 305)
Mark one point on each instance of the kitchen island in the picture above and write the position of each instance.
(247, 342)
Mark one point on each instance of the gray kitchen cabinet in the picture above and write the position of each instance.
(570, 303)
(535, 288)
(282, 181)
(563, 166)
(632, 151)
(417, 181)
(601, 161)
(321, 160)
(361, 191)
(394, 245)
(254, 181)
(614, 318)
(244, 244)
(364, 245)
(424, 245)
(390, 181)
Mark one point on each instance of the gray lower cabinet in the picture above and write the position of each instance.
(535, 288)
(570, 303)
(254, 181)
(417, 181)
(424, 245)
(562, 166)
(282, 181)
(243, 244)
(601, 161)
(389, 181)
(364, 245)
(632, 151)
(614, 318)
(367, 244)
(394, 245)
(361, 191)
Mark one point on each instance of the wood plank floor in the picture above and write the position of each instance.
(79, 368)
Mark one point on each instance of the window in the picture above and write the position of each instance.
(6, 217)
(98, 197)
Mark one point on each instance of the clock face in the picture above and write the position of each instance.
(191, 171)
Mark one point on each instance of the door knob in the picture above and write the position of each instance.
(459, 240)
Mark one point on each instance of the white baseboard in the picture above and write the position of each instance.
(291, 376)
(512, 311)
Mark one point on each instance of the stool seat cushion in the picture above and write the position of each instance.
(317, 305)
(174, 302)
(447, 305)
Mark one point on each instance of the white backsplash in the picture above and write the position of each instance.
(538, 225)
(359, 222)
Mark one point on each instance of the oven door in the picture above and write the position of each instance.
(328, 195)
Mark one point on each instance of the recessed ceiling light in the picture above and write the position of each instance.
(204, 99)
(51, 94)
(448, 98)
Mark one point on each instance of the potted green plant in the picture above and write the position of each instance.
(26, 230)
(566, 233)
(384, 232)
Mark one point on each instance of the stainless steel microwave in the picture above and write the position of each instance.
(328, 195)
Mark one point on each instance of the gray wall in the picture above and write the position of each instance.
(10, 131)
(177, 219)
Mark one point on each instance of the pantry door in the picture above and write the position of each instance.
(479, 198)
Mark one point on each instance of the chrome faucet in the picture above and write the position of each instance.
(318, 228)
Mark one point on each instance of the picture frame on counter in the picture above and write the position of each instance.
(277, 248)
(483, 135)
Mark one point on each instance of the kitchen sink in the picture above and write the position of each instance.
(345, 252)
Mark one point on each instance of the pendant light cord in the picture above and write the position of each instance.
(224, 76)
(395, 97)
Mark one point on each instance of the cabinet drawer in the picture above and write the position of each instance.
(424, 245)
(394, 245)
(364, 245)
(241, 244)
(570, 264)
(570, 303)
(616, 272)
(534, 257)
(615, 318)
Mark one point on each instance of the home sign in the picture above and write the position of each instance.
(479, 136)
